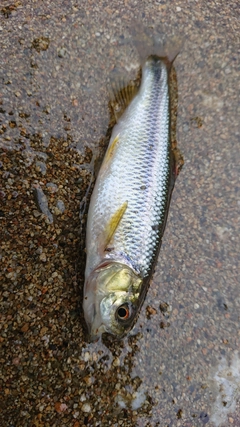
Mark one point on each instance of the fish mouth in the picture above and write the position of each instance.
(96, 330)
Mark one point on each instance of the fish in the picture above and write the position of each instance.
(130, 200)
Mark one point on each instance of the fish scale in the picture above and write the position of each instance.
(141, 161)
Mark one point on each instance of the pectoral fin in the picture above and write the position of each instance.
(112, 226)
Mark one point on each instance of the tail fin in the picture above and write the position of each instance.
(154, 43)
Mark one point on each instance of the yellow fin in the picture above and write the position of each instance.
(111, 149)
(113, 224)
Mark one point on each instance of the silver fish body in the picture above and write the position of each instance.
(129, 206)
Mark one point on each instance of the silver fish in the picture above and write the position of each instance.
(129, 205)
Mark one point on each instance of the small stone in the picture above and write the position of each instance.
(83, 398)
(76, 414)
(231, 420)
(56, 211)
(196, 306)
(178, 9)
(17, 94)
(165, 308)
(116, 362)
(40, 44)
(86, 356)
(41, 167)
(62, 52)
(25, 327)
(60, 407)
(88, 380)
(52, 188)
(42, 202)
(43, 257)
(179, 413)
(60, 206)
(86, 407)
(43, 331)
(55, 274)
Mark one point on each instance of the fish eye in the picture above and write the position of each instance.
(123, 312)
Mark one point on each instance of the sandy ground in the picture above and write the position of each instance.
(179, 367)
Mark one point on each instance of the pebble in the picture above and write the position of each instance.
(42, 203)
(62, 52)
(86, 356)
(116, 361)
(43, 257)
(60, 407)
(55, 274)
(52, 188)
(60, 206)
(42, 167)
(86, 407)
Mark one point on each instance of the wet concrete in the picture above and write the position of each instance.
(180, 364)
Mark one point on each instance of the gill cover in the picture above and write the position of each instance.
(111, 299)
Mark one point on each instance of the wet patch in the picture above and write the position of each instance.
(225, 380)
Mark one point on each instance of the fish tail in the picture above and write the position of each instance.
(155, 44)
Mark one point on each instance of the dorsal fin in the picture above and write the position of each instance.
(122, 93)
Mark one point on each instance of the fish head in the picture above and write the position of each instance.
(111, 299)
